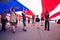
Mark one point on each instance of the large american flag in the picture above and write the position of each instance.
(38, 7)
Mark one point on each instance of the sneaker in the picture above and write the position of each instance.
(48, 30)
(14, 31)
(24, 30)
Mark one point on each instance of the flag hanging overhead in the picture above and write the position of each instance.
(36, 7)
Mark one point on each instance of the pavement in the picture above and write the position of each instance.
(33, 33)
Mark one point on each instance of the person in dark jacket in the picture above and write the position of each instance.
(37, 21)
(24, 21)
(3, 21)
(47, 20)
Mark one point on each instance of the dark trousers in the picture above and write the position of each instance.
(46, 25)
(28, 21)
(3, 24)
(32, 21)
(24, 23)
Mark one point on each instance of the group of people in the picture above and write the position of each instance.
(13, 20)
(37, 20)
(3, 21)
(46, 18)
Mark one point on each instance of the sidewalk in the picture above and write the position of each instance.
(32, 33)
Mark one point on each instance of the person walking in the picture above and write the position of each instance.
(24, 21)
(13, 19)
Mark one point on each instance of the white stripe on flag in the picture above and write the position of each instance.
(34, 5)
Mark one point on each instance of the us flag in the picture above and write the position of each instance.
(38, 7)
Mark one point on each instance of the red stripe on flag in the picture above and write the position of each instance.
(55, 15)
(49, 5)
